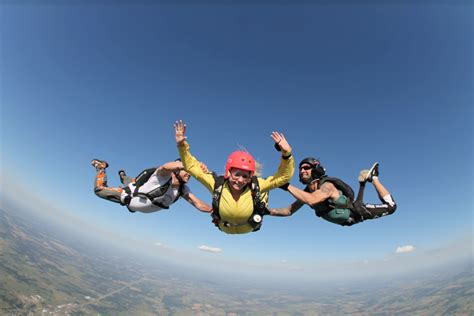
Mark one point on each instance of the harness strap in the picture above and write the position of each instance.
(155, 193)
(216, 196)
(142, 178)
(127, 199)
(357, 211)
(152, 196)
(259, 207)
(160, 205)
(326, 206)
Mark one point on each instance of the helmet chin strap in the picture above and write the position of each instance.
(314, 183)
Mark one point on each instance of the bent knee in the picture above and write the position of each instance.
(391, 209)
(390, 202)
(98, 189)
(101, 192)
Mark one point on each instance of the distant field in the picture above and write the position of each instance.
(41, 273)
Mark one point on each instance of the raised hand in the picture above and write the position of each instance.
(280, 139)
(180, 130)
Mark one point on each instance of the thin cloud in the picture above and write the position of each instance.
(405, 249)
(209, 249)
(164, 247)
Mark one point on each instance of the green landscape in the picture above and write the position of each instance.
(47, 272)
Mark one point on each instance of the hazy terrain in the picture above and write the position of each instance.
(46, 271)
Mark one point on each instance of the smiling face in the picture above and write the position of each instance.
(305, 173)
(239, 178)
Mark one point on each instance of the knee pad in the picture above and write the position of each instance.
(388, 199)
(390, 202)
(392, 208)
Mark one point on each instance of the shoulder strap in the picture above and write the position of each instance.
(216, 195)
(344, 187)
(340, 185)
(258, 204)
(259, 207)
(157, 192)
(142, 178)
(153, 195)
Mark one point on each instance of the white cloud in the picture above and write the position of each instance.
(405, 249)
(164, 247)
(209, 249)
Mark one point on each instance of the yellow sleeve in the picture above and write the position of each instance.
(283, 175)
(192, 165)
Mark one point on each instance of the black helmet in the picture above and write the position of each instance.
(318, 170)
(310, 161)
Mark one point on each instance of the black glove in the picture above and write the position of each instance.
(284, 186)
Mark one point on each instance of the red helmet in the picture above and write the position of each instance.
(240, 160)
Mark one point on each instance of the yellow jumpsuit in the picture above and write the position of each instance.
(236, 213)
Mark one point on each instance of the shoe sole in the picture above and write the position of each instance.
(363, 179)
(100, 161)
(369, 175)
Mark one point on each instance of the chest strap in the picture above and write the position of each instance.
(259, 207)
(153, 198)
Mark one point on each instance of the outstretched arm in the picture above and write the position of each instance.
(197, 203)
(286, 211)
(174, 166)
(169, 167)
(311, 199)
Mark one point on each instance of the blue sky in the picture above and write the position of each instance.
(350, 84)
